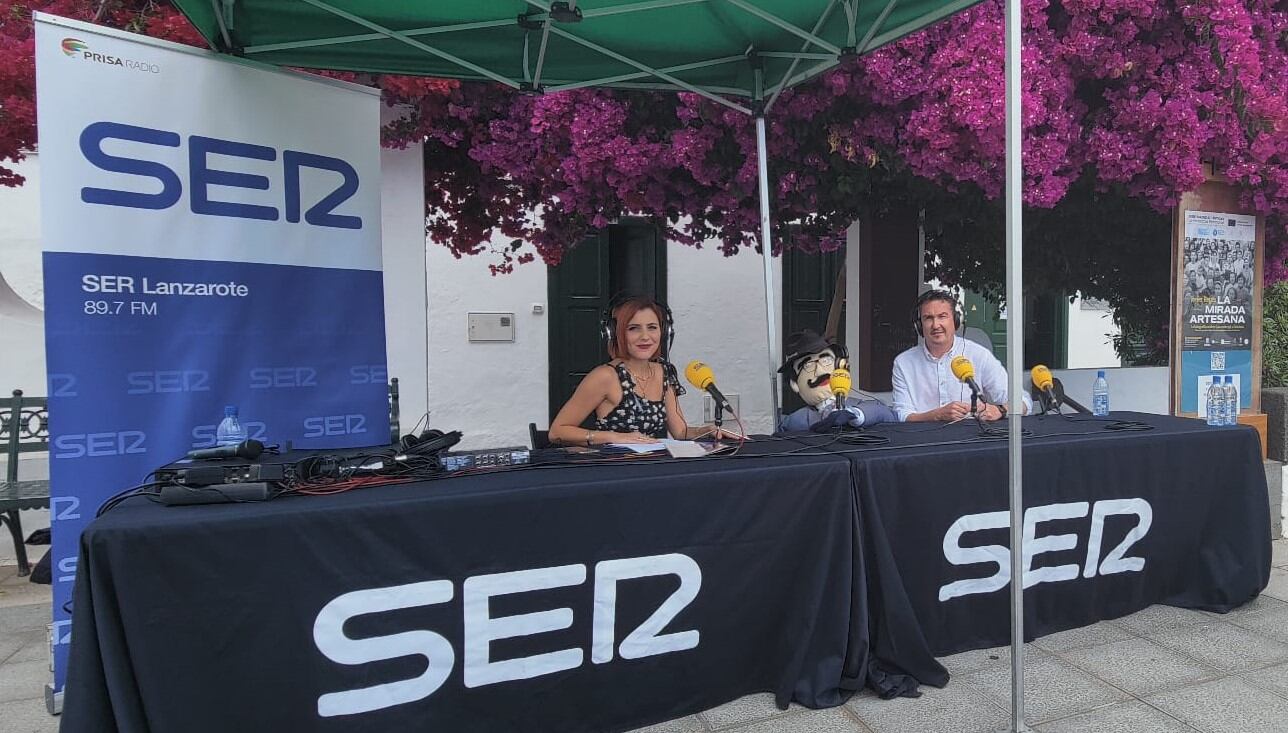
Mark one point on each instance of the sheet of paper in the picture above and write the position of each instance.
(684, 448)
(641, 447)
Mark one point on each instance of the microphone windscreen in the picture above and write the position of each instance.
(840, 382)
(962, 368)
(250, 449)
(1041, 377)
(699, 374)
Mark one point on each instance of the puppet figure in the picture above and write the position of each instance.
(808, 366)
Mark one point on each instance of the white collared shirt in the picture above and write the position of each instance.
(922, 382)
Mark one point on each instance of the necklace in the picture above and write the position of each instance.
(642, 380)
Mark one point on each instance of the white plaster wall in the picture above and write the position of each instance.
(719, 308)
(22, 328)
(1135, 389)
(20, 233)
(1091, 335)
(488, 391)
(402, 209)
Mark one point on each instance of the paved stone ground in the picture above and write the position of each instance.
(1163, 670)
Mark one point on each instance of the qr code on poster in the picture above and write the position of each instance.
(1218, 361)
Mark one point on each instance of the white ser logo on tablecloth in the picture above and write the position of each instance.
(481, 628)
(1114, 562)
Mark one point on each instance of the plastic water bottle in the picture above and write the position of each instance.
(1231, 401)
(230, 430)
(1100, 395)
(1216, 403)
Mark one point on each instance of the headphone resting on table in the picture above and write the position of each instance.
(930, 295)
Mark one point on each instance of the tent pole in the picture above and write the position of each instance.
(1015, 351)
(766, 252)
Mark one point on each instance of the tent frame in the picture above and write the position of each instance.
(1015, 350)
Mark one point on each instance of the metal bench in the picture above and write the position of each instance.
(24, 428)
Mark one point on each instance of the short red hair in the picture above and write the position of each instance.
(622, 316)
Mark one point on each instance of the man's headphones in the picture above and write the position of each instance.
(930, 295)
(608, 323)
(429, 442)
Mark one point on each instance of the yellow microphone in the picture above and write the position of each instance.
(840, 382)
(965, 372)
(963, 369)
(1042, 378)
(701, 376)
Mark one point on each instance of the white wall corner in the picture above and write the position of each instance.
(854, 321)
(1283, 504)
(719, 308)
(402, 213)
(489, 391)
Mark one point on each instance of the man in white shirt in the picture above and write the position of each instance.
(924, 386)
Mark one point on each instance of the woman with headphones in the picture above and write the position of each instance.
(633, 396)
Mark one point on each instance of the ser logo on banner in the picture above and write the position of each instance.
(368, 374)
(203, 436)
(202, 177)
(169, 381)
(332, 425)
(481, 628)
(99, 445)
(283, 377)
(1115, 561)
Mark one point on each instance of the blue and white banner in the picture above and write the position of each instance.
(212, 237)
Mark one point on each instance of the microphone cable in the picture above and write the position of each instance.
(1112, 423)
(988, 432)
(862, 438)
(147, 488)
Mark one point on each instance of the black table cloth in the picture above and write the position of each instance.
(1195, 495)
(216, 617)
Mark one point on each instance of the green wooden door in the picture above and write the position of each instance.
(627, 257)
(1046, 333)
(809, 283)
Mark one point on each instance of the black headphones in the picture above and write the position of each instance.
(930, 295)
(430, 441)
(608, 323)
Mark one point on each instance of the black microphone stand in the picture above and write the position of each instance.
(1061, 399)
(974, 411)
(984, 430)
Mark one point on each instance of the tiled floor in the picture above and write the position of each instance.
(1163, 670)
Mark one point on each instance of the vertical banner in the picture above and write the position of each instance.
(1217, 280)
(211, 237)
